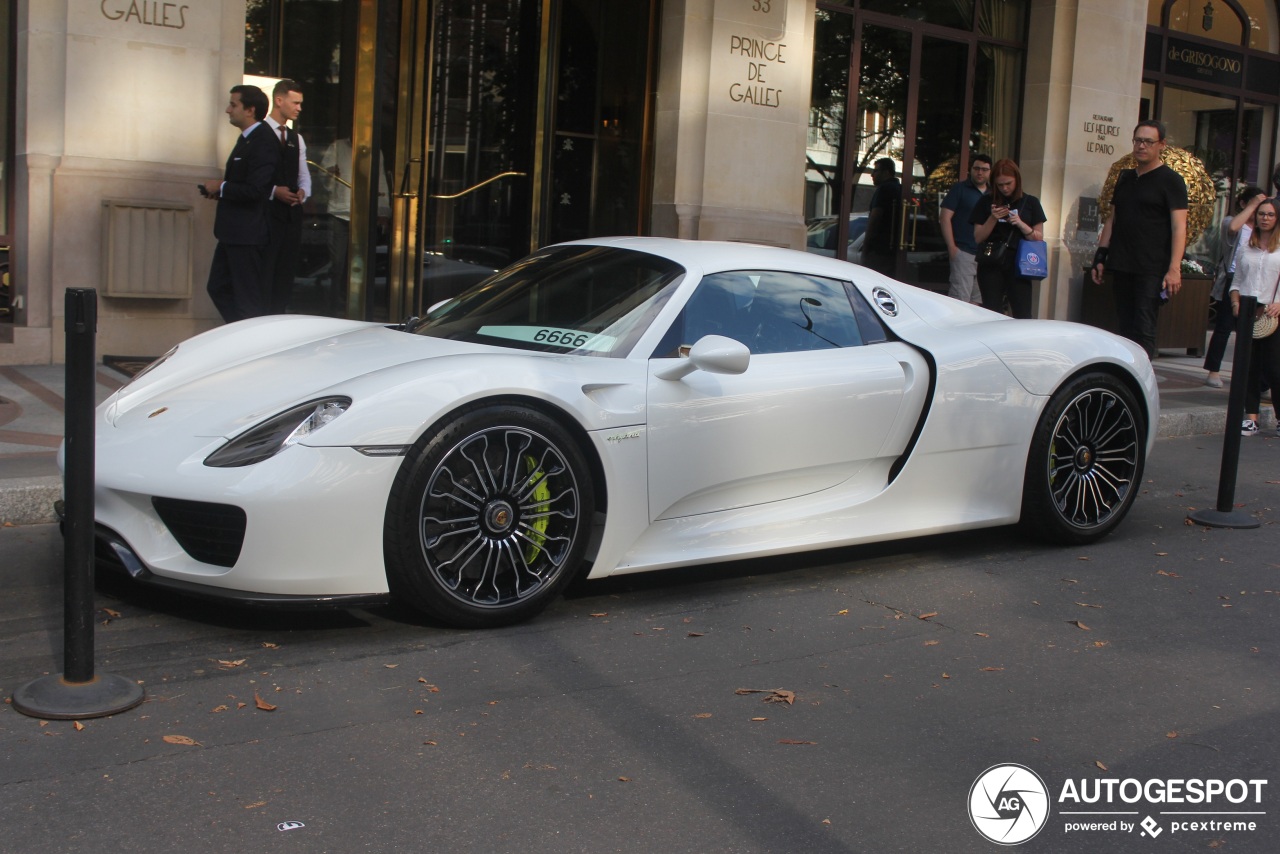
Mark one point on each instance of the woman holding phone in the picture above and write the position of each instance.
(1007, 215)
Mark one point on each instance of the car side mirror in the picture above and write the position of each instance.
(714, 354)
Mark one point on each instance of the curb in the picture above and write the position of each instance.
(29, 500)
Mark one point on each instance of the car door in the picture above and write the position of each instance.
(819, 401)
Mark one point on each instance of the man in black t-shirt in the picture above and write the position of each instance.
(1143, 240)
(877, 243)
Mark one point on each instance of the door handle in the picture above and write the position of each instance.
(486, 181)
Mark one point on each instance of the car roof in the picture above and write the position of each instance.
(712, 256)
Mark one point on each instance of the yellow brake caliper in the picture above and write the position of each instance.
(541, 494)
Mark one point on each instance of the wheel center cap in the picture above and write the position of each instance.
(499, 517)
(1084, 457)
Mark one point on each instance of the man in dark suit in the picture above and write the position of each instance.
(236, 282)
(292, 188)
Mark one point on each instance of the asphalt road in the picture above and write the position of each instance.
(885, 681)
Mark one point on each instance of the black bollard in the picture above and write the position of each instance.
(78, 692)
(1225, 515)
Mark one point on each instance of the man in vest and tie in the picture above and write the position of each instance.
(292, 188)
(236, 283)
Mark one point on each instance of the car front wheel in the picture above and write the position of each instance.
(1085, 463)
(488, 518)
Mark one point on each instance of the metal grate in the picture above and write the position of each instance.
(210, 533)
(146, 249)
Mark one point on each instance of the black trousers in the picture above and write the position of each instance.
(1000, 283)
(236, 284)
(1264, 368)
(1138, 303)
(280, 261)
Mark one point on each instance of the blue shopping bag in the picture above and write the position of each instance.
(1033, 259)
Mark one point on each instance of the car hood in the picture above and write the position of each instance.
(222, 382)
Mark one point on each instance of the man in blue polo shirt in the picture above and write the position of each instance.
(957, 231)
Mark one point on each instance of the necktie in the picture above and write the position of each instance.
(284, 138)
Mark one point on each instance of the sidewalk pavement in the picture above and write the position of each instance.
(32, 413)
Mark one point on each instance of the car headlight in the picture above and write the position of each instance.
(274, 435)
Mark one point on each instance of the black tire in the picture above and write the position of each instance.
(1085, 464)
(488, 517)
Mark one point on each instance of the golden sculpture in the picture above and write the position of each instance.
(1201, 192)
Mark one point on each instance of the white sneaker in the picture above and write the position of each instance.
(1249, 427)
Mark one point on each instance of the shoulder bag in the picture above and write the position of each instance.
(994, 253)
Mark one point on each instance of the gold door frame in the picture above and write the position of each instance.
(362, 177)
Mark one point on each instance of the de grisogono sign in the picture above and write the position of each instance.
(153, 13)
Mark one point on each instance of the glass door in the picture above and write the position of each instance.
(898, 107)
(911, 110)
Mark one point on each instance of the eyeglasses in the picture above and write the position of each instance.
(1140, 142)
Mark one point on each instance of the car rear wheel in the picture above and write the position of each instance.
(1085, 463)
(488, 518)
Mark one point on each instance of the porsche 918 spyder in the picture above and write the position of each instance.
(608, 406)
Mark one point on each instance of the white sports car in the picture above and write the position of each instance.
(608, 406)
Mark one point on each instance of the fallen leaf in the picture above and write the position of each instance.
(826, 821)
(601, 614)
(842, 612)
(255, 805)
(702, 715)
(391, 666)
(695, 635)
(781, 696)
(1162, 554)
(982, 634)
(430, 743)
(1087, 605)
(270, 645)
(1171, 734)
(1100, 765)
(928, 615)
(79, 726)
(1069, 580)
(1079, 625)
(759, 719)
(946, 676)
(1101, 643)
(263, 704)
(932, 643)
(624, 779)
(1084, 558)
(1167, 574)
(218, 709)
(241, 705)
(182, 739)
(227, 665)
(111, 613)
(419, 712)
(985, 669)
(794, 741)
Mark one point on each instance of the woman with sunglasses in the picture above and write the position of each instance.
(1258, 275)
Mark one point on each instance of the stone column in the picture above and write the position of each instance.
(1084, 82)
(115, 99)
(732, 119)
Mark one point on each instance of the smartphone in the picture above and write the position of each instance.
(202, 190)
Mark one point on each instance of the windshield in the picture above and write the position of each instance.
(589, 300)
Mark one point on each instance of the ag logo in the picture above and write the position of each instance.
(1008, 804)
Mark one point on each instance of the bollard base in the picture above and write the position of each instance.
(1223, 519)
(54, 698)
